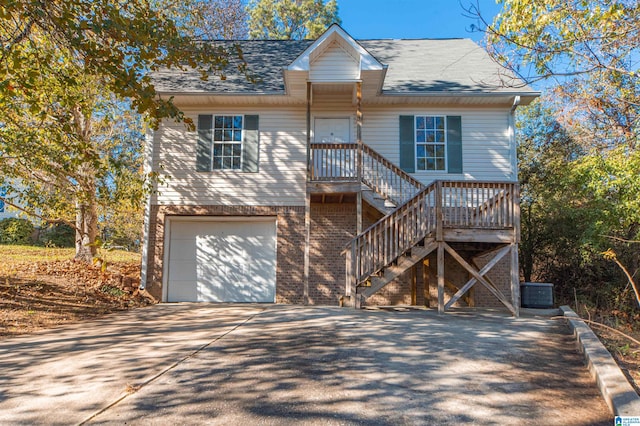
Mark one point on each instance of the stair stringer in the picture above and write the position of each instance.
(404, 263)
(377, 201)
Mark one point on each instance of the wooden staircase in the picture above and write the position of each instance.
(425, 219)
(417, 221)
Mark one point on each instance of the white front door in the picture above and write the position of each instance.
(333, 163)
(332, 130)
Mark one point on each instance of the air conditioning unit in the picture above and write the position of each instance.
(536, 295)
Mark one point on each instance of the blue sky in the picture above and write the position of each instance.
(365, 19)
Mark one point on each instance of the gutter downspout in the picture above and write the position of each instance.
(148, 167)
(512, 137)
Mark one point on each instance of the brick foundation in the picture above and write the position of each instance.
(332, 227)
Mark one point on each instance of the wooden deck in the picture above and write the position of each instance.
(426, 219)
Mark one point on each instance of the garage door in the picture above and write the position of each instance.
(222, 261)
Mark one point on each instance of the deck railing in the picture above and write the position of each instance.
(337, 162)
(479, 204)
(332, 162)
(442, 204)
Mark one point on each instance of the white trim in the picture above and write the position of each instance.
(148, 167)
(415, 144)
(204, 218)
(513, 144)
(367, 61)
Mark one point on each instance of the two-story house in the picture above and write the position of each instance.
(351, 171)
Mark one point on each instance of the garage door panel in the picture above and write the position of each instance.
(230, 261)
(182, 291)
(183, 250)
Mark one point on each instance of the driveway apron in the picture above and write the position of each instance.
(278, 364)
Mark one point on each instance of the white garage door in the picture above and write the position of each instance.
(222, 261)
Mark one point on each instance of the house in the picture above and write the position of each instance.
(350, 172)
(6, 210)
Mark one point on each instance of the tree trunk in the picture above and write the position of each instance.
(86, 230)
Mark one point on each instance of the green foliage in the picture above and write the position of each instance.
(58, 235)
(577, 202)
(16, 231)
(115, 42)
(564, 37)
(591, 51)
(291, 19)
(112, 291)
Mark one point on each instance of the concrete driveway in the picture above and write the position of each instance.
(266, 364)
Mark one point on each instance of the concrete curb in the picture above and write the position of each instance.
(619, 395)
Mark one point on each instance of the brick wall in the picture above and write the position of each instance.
(500, 275)
(332, 227)
(290, 244)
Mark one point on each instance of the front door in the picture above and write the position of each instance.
(332, 130)
(336, 162)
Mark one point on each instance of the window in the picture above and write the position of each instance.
(3, 193)
(431, 142)
(227, 142)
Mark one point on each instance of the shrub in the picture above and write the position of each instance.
(16, 231)
(58, 235)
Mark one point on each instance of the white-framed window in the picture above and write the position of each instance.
(227, 142)
(431, 142)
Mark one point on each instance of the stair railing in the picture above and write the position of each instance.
(392, 236)
(387, 179)
(442, 204)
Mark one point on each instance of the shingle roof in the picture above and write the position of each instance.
(414, 66)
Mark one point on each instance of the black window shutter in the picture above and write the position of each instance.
(205, 139)
(407, 144)
(454, 144)
(251, 148)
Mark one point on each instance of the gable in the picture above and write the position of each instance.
(334, 64)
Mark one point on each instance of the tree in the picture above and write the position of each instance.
(121, 42)
(580, 209)
(74, 75)
(69, 147)
(590, 49)
(579, 206)
(209, 19)
(291, 19)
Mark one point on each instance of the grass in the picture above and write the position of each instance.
(19, 254)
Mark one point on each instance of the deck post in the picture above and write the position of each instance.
(359, 213)
(308, 131)
(307, 242)
(515, 280)
(440, 277)
(359, 129)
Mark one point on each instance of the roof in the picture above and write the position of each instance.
(419, 66)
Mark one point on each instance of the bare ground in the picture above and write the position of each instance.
(42, 294)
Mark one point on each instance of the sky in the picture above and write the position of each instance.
(366, 19)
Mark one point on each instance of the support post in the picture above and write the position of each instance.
(515, 280)
(426, 283)
(414, 285)
(359, 213)
(307, 242)
(359, 128)
(308, 131)
(441, 278)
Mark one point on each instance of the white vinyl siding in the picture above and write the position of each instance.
(486, 150)
(281, 178)
(335, 64)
